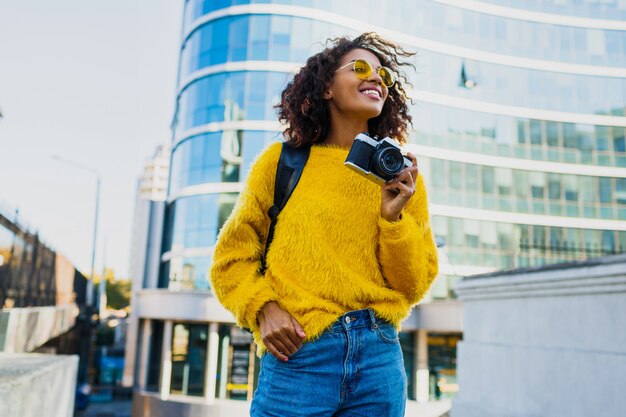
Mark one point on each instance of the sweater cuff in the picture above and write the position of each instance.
(263, 295)
(395, 230)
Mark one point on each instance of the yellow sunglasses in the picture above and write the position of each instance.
(363, 70)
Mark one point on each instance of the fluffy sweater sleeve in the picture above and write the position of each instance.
(407, 252)
(235, 275)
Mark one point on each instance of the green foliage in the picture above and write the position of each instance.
(118, 292)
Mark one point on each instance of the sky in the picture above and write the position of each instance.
(93, 82)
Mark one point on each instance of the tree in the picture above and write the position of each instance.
(117, 291)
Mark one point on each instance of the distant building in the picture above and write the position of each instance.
(151, 193)
(145, 241)
(519, 115)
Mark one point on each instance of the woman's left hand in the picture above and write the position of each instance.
(397, 191)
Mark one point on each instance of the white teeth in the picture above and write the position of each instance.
(371, 92)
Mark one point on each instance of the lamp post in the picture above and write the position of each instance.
(89, 300)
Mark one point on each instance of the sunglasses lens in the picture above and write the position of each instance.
(387, 76)
(363, 69)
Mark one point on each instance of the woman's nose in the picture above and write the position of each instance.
(375, 76)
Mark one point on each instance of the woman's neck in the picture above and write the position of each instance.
(343, 132)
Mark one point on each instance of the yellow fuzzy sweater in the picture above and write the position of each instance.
(332, 251)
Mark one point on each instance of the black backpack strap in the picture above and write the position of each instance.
(288, 172)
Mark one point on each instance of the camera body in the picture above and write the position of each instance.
(379, 161)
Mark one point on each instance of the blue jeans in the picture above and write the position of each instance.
(354, 369)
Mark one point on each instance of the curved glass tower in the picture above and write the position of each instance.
(519, 119)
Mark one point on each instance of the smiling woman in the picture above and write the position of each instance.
(348, 258)
(305, 103)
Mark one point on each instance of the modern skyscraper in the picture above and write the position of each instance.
(519, 117)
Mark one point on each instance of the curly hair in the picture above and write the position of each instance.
(304, 111)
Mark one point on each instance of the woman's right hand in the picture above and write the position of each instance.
(280, 332)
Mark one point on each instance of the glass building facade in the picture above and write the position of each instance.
(531, 101)
(519, 116)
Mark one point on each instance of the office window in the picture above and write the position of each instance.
(154, 356)
(554, 187)
(189, 352)
(488, 177)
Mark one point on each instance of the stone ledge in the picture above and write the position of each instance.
(36, 385)
(25, 329)
(589, 278)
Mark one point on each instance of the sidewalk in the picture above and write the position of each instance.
(120, 408)
(123, 409)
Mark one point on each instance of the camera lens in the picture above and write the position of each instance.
(388, 162)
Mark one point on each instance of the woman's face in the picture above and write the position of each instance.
(351, 96)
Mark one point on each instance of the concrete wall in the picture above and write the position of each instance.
(25, 329)
(33, 385)
(545, 342)
(438, 316)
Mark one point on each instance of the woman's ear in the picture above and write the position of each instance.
(328, 95)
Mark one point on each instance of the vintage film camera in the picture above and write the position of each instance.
(377, 160)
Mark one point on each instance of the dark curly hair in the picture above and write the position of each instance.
(305, 112)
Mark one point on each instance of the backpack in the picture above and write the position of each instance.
(290, 166)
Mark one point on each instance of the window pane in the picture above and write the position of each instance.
(488, 179)
(189, 352)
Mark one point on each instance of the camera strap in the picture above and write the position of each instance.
(290, 166)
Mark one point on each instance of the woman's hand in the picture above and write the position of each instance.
(397, 191)
(280, 332)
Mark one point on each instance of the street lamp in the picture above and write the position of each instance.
(89, 300)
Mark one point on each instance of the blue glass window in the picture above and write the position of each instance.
(230, 96)
(531, 88)
(619, 144)
(189, 273)
(253, 143)
(189, 352)
(216, 157)
(193, 222)
(608, 241)
(610, 9)
(238, 39)
(488, 179)
(197, 8)
(476, 132)
(197, 160)
(280, 38)
(554, 187)
(620, 191)
(259, 37)
(605, 190)
(253, 38)
(498, 34)
(455, 183)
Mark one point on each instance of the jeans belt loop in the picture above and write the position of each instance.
(374, 323)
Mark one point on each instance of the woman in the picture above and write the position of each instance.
(349, 257)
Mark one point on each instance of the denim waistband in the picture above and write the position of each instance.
(356, 319)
